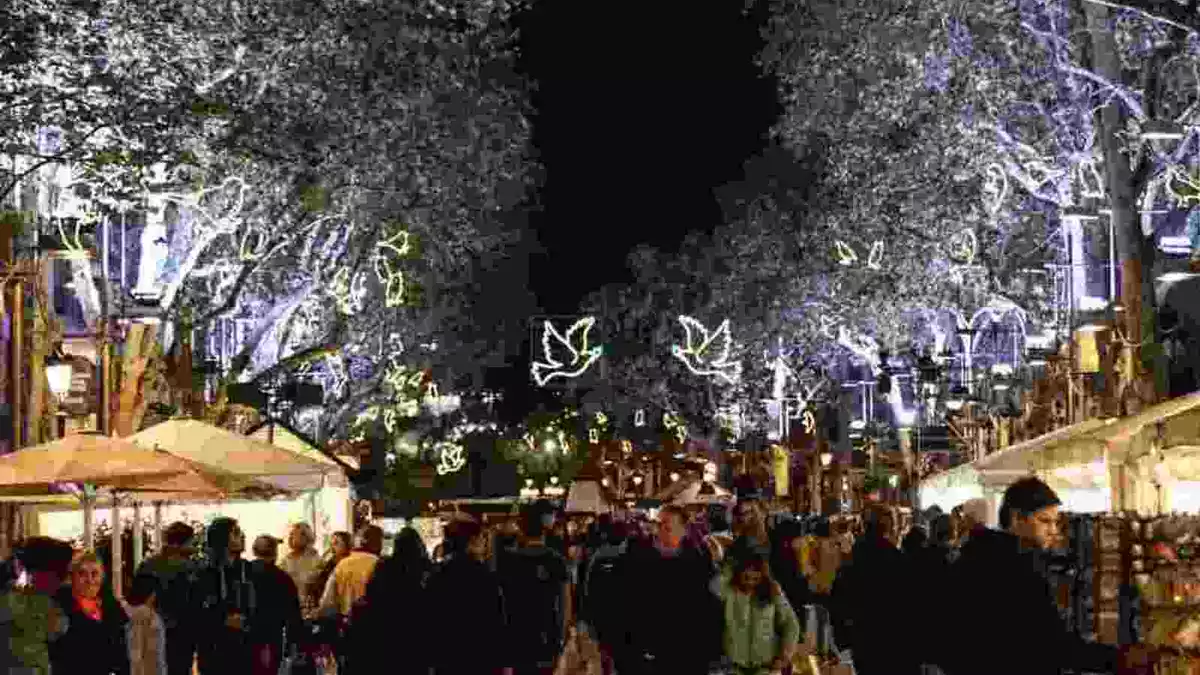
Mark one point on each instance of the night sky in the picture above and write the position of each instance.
(643, 109)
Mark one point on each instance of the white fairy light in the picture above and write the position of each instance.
(576, 355)
(336, 379)
(810, 422)
(639, 418)
(696, 355)
(593, 435)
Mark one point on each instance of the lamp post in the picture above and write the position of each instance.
(58, 376)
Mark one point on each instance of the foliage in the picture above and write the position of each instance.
(278, 146)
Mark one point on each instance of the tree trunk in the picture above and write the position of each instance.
(1134, 258)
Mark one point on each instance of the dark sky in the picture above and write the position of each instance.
(643, 109)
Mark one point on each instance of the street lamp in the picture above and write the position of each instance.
(58, 378)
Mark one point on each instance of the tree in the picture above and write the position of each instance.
(327, 177)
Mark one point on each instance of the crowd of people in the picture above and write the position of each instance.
(676, 595)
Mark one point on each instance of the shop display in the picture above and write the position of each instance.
(1164, 568)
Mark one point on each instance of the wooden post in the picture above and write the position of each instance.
(89, 522)
(157, 543)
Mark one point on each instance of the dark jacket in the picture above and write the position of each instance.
(674, 613)
(390, 619)
(278, 607)
(466, 615)
(871, 603)
(1001, 616)
(221, 591)
(91, 647)
(536, 576)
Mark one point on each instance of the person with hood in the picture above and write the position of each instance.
(1001, 617)
(175, 575)
(872, 596)
(226, 601)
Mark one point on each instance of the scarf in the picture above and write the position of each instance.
(90, 607)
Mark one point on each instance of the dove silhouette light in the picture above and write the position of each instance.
(388, 254)
(565, 355)
(707, 354)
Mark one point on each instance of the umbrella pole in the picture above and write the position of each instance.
(117, 566)
(137, 535)
(89, 522)
(157, 543)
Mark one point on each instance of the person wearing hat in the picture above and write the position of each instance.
(1000, 615)
(30, 618)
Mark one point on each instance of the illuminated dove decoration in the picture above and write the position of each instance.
(707, 354)
(875, 259)
(845, 255)
(565, 355)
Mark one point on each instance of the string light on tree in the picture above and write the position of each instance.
(639, 418)
(705, 353)
(389, 253)
(565, 355)
(846, 255)
(995, 188)
(349, 294)
(675, 426)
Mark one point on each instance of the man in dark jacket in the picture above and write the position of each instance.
(537, 575)
(225, 603)
(674, 618)
(1001, 616)
(174, 571)
(466, 607)
(872, 599)
(278, 614)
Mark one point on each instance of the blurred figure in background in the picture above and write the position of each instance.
(302, 563)
(146, 634)
(175, 574)
(277, 623)
(340, 544)
(465, 603)
(872, 597)
(535, 575)
(94, 643)
(30, 618)
(386, 622)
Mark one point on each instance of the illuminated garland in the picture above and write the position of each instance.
(675, 426)
(695, 353)
(575, 355)
(995, 188)
(846, 256)
(388, 255)
(349, 295)
(451, 457)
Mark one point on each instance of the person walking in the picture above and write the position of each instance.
(94, 643)
(673, 615)
(871, 595)
(537, 575)
(174, 571)
(386, 621)
(761, 629)
(466, 607)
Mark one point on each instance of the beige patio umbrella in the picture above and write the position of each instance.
(231, 453)
(88, 458)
